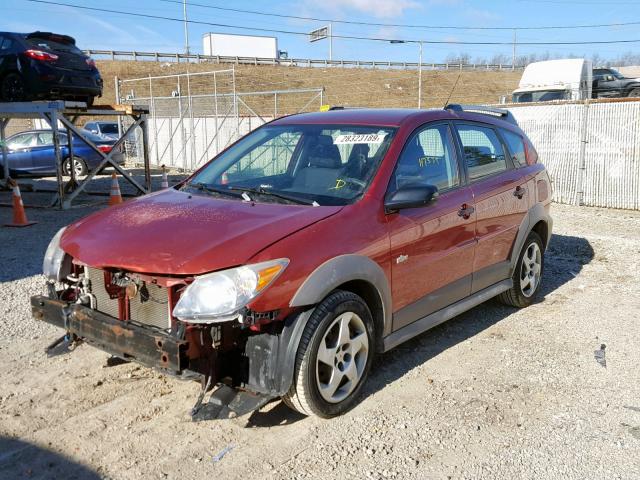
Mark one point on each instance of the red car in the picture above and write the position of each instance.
(281, 267)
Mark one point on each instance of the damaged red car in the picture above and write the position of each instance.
(285, 264)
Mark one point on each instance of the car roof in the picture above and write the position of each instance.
(388, 117)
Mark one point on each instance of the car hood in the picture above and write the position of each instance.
(177, 233)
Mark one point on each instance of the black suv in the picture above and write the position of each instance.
(44, 65)
(608, 82)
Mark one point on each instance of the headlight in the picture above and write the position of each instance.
(56, 264)
(219, 296)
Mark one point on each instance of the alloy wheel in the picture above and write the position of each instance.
(531, 270)
(342, 357)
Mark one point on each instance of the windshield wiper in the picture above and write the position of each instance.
(262, 191)
(208, 188)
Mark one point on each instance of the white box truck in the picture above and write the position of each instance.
(568, 79)
(231, 45)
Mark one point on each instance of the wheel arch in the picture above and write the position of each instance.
(357, 274)
(536, 220)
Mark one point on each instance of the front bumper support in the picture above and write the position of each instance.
(128, 341)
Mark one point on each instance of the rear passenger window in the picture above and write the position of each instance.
(516, 147)
(428, 158)
(483, 151)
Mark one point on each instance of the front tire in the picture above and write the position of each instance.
(527, 276)
(334, 357)
(635, 92)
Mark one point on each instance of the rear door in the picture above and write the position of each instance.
(432, 247)
(501, 200)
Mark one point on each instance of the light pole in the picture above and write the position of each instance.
(186, 27)
(419, 42)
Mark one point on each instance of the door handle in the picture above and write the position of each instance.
(519, 192)
(466, 211)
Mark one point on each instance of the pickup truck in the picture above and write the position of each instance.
(608, 82)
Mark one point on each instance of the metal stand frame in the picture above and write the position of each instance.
(67, 113)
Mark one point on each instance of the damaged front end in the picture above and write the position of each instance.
(172, 324)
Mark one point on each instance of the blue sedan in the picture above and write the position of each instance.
(32, 154)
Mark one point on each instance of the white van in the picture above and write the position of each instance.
(568, 79)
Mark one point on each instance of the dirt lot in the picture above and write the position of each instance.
(496, 393)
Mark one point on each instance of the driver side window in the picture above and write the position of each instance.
(428, 158)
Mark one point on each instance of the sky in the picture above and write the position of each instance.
(110, 31)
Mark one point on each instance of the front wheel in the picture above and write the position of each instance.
(527, 275)
(334, 357)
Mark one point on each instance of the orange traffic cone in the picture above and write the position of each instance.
(19, 215)
(165, 182)
(116, 196)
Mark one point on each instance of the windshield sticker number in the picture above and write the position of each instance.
(359, 138)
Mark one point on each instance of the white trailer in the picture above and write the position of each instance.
(231, 45)
(568, 79)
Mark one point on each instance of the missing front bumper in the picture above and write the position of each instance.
(122, 339)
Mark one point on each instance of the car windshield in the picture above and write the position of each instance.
(109, 127)
(540, 96)
(312, 164)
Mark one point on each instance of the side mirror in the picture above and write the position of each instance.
(608, 78)
(410, 196)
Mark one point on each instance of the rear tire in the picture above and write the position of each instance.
(12, 88)
(79, 165)
(527, 276)
(334, 357)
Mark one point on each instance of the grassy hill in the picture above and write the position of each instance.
(342, 86)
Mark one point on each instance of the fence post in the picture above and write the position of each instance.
(582, 163)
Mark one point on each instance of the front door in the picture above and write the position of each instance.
(19, 152)
(501, 200)
(432, 247)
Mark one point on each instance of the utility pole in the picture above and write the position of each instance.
(515, 41)
(186, 27)
(420, 77)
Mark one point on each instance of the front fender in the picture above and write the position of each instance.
(342, 269)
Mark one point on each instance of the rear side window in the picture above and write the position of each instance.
(516, 147)
(483, 151)
(5, 43)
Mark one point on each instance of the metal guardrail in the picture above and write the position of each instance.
(291, 62)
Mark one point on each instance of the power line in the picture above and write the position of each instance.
(351, 37)
(404, 25)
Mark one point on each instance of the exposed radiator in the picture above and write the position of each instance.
(147, 308)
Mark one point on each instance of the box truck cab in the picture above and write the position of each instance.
(568, 79)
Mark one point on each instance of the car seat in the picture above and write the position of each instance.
(322, 166)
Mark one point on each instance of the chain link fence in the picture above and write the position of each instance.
(194, 116)
(591, 150)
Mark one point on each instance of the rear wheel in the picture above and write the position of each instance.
(12, 88)
(334, 357)
(79, 166)
(527, 275)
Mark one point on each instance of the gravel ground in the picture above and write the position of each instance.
(495, 393)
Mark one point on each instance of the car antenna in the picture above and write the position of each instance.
(452, 90)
